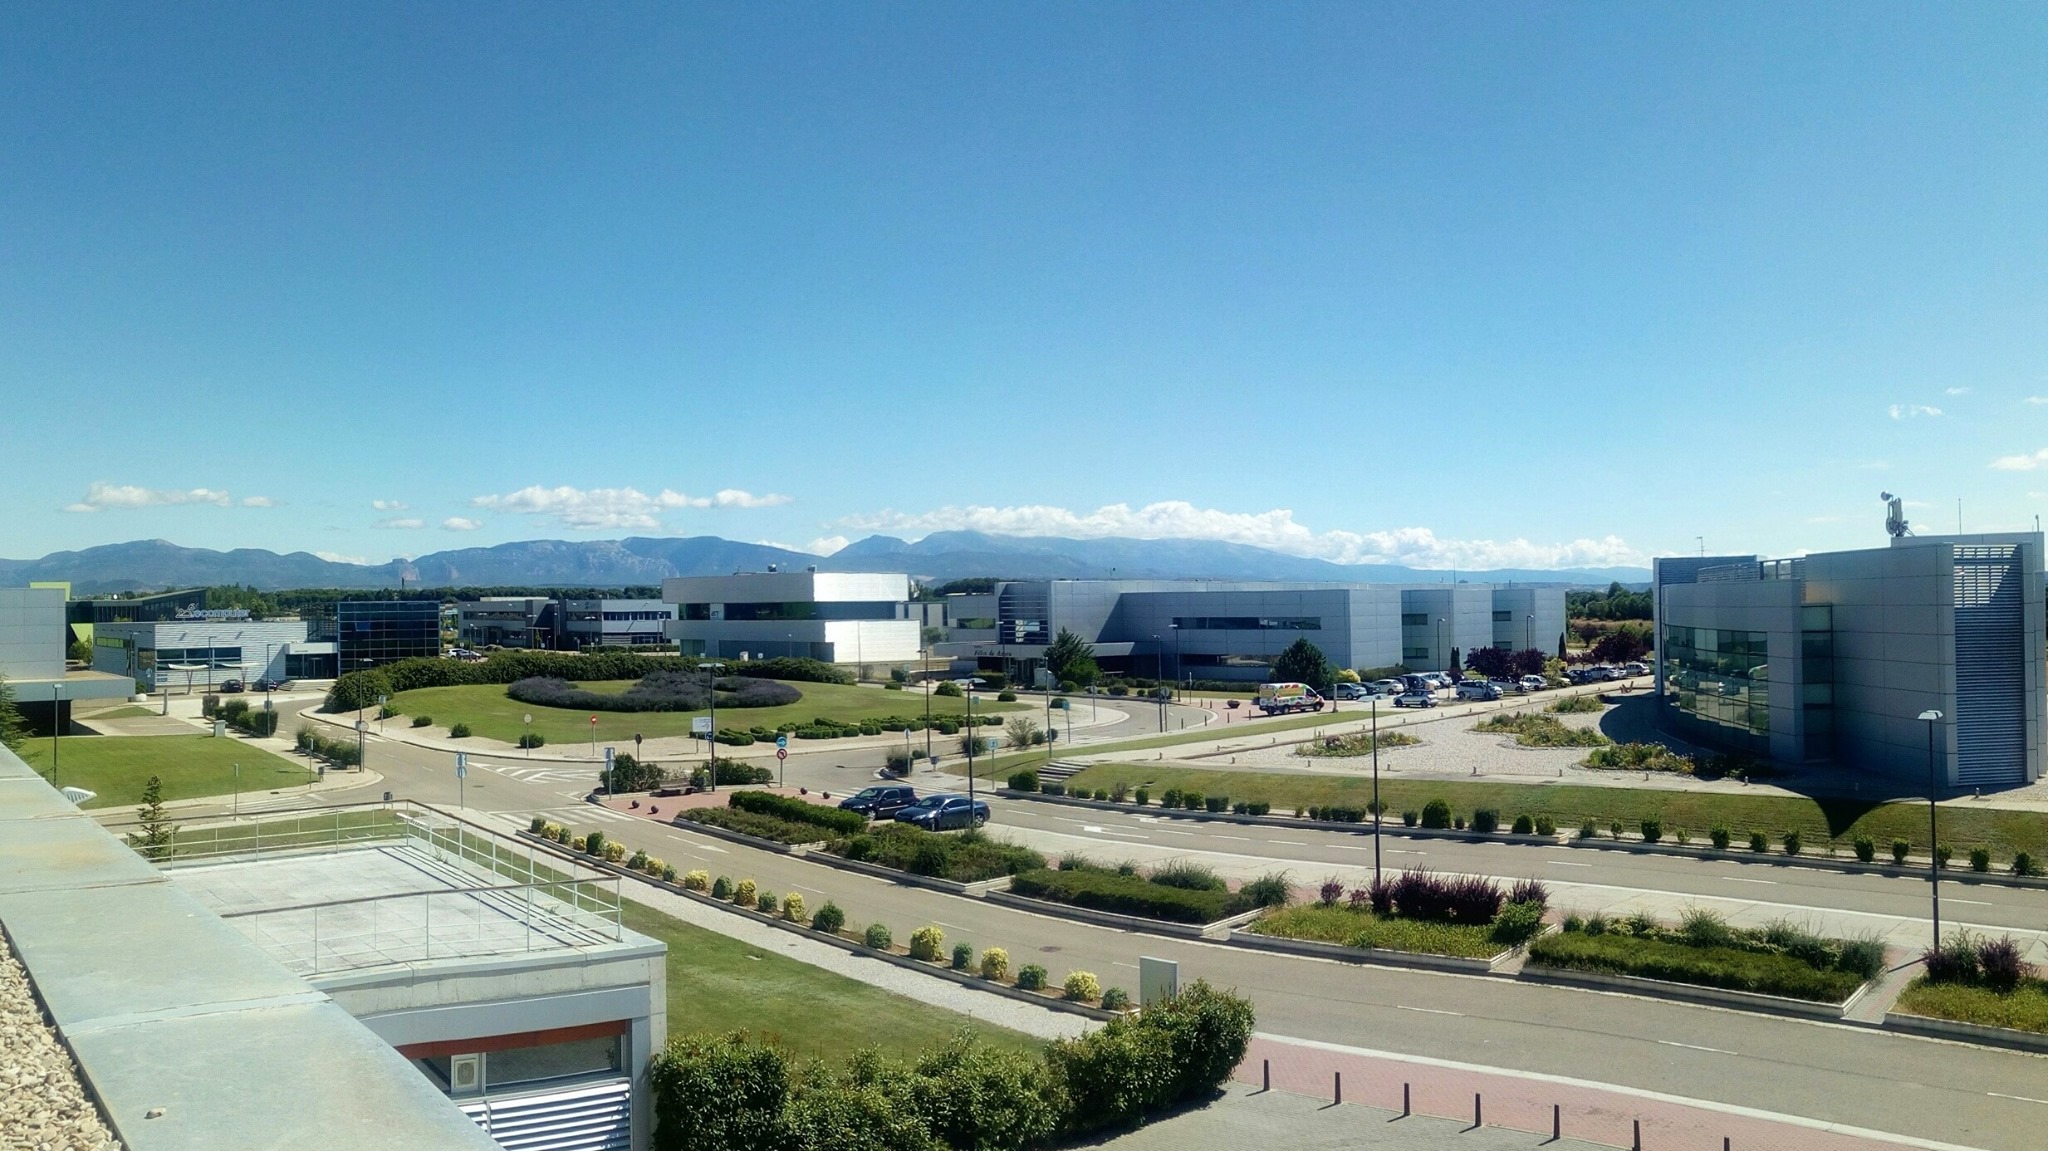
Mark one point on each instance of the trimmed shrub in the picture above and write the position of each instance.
(1588, 831)
(1082, 987)
(948, 689)
(1026, 780)
(1546, 825)
(793, 907)
(1523, 825)
(765, 901)
(1121, 894)
(423, 721)
(877, 937)
(1031, 977)
(1866, 849)
(638, 862)
(1518, 923)
(532, 739)
(536, 825)
(1171, 798)
(1980, 859)
(1486, 821)
(1142, 797)
(1725, 967)
(717, 1092)
(1217, 802)
(1791, 842)
(828, 918)
(995, 964)
(2023, 864)
(1269, 890)
(963, 955)
(1436, 814)
(925, 943)
(668, 873)
(1653, 830)
(1942, 854)
(744, 893)
(799, 811)
(1116, 999)
(1410, 819)
(1758, 842)
(1192, 800)
(1719, 838)
(593, 843)
(1899, 849)
(721, 888)
(1006, 696)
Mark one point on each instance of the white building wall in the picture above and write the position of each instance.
(32, 633)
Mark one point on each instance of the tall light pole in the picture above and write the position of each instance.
(1528, 631)
(1375, 789)
(526, 740)
(56, 726)
(1178, 673)
(972, 739)
(1933, 826)
(710, 668)
(924, 663)
(1443, 654)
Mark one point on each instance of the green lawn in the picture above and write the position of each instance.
(126, 711)
(719, 984)
(1341, 925)
(2025, 1009)
(117, 766)
(491, 713)
(1816, 820)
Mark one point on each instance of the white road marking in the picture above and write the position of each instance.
(1693, 1047)
(1343, 847)
(1239, 838)
(1973, 902)
(1121, 963)
(1288, 842)
(1565, 863)
(1739, 879)
(2021, 1098)
(1428, 1010)
(1399, 851)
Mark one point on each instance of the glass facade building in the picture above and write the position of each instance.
(1721, 678)
(370, 633)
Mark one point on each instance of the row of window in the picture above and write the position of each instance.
(1248, 623)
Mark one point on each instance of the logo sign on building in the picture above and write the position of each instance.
(700, 725)
(1158, 980)
(214, 613)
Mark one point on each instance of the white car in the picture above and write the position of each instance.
(1415, 699)
(1388, 687)
(1348, 691)
(1533, 683)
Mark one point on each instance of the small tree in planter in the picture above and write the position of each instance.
(995, 964)
(925, 943)
(878, 937)
(963, 956)
(829, 919)
(1082, 987)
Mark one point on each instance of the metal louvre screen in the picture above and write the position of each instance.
(1991, 721)
(588, 1118)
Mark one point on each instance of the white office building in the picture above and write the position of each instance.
(839, 617)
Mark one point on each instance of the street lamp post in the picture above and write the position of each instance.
(526, 740)
(1375, 789)
(1528, 631)
(711, 742)
(238, 791)
(924, 663)
(1933, 826)
(1443, 654)
(56, 726)
(972, 739)
(1179, 673)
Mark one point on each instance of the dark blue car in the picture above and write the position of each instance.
(944, 812)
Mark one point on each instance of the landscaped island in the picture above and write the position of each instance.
(1465, 916)
(1779, 959)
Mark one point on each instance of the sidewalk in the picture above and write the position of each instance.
(1592, 1112)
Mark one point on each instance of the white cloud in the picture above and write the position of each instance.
(407, 524)
(2021, 463)
(258, 502)
(102, 495)
(2037, 400)
(1911, 411)
(1276, 530)
(459, 524)
(388, 505)
(338, 558)
(1955, 391)
(597, 509)
(826, 545)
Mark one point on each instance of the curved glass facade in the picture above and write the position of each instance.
(1721, 680)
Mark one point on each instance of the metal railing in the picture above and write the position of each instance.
(500, 898)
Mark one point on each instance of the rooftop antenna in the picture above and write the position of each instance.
(1895, 516)
(1703, 546)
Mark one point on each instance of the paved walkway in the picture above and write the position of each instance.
(1248, 1117)
(1521, 1101)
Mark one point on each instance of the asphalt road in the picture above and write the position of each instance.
(1928, 1089)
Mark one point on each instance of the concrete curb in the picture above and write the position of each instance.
(965, 979)
(1689, 993)
(1779, 859)
(1288, 821)
(1136, 923)
(1965, 1032)
(1370, 956)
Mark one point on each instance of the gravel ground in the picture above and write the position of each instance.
(42, 1105)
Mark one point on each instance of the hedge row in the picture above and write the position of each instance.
(1122, 894)
(656, 691)
(1723, 967)
(361, 688)
(799, 811)
(965, 857)
(755, 824)
(715, 1093)
(344, 752)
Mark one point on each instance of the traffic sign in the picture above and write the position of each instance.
(782, 753)
(609, 756)
(700, 725)
(782, 741)
(593, 721)
(461, 765)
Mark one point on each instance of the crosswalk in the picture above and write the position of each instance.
(540, 774)
(296, 801)
(573, 813)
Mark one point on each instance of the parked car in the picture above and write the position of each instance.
(229, 686)
(1349, 691)
(1534, 683)
(1635, 668)
(265, 685)
(1416, 699)
(1388, 687)
(879, 802)
(1478, 689)
(1508, 686)
(944, 812)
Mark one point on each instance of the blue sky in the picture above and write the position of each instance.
(1537, 284)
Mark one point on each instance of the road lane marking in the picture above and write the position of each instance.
(1121, 963)
(1400, 851)
(1974, 902)
(2021, 1098)
(1739, 879)
(1565, 863)
(1239, 838)
(1343, 847)
(1695, 1047)
(1288, 842)
(1428, 1010)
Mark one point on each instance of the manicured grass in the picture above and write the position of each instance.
(1723, 967)
(1350, 928)
(191, 766)
(2025, 1009)
(126, 711)
(719, 984)
(1697, 812)
(492, 714)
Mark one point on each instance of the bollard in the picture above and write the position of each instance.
(1638, 1145)
(1557, 1123)
(1724, 1143)
(1268, 1085)
(1404, 1101)
(1477, 1120)
(1338, 1091)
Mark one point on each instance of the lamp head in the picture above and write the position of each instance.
(1930, 715)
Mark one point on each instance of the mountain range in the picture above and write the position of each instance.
(641, 560)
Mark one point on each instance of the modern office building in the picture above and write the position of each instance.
(208, 648)
(615, 622)
(838, 617)
(370, 633)
(83, 615)
(507, 621)
(1835, 656)
(32, 643)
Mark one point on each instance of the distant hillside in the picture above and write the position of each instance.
(150, 564)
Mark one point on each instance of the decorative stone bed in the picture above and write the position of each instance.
(42, 1103)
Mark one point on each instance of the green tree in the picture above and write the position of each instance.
(1304, 662)
(13, 732)
(153, 832)
(81, 652)
(357, 690)
(1071, 659)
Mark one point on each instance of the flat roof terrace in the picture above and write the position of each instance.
(426, 892)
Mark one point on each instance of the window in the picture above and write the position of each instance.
(1720, 680)
(1414, 653)
(1249, 623)
(1503, 617)
(1414, 619)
